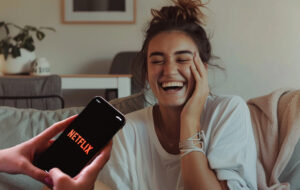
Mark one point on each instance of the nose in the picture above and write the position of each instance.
(170, 67)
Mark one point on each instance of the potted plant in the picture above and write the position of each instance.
(17, 50)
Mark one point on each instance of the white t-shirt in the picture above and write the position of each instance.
(139, 162)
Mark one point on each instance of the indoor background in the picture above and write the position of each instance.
(257, 41)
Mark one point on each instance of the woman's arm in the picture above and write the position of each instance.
(196, 172)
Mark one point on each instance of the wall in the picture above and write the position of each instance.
(257, 41)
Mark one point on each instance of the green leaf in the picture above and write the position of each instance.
(19, 37)
(40, 35)
(29, 46)
(29, 40)
(15, 51)
(6, 45)
(5, 50)
(3, 24)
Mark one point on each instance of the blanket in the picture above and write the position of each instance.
(276, 120)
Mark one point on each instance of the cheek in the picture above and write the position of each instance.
(187, 73)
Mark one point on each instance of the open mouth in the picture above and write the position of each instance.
(174, 86)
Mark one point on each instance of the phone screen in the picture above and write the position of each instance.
(91, 130)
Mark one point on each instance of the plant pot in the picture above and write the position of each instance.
(1, 63)
(18, 65)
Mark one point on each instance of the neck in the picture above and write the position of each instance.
(167, 127)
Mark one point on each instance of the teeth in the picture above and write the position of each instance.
(172, 84)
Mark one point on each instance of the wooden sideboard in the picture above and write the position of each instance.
(98, 81)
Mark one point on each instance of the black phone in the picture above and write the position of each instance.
(90, 131)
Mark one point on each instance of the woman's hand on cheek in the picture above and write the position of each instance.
(195, 104)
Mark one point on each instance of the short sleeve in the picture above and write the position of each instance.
(231, 150)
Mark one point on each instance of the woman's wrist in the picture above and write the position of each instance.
(188, 128)
(195, 143)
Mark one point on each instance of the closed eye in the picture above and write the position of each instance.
(183, 60)
(157, 62)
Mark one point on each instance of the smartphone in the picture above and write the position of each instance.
(90, 131)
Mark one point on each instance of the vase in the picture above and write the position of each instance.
(18, 65)
(2, 60)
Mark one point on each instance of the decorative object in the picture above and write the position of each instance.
(40, 67)
(20, 64)
(2, 60)
(99, 11)
(17, 50)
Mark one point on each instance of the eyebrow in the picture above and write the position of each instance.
(183, 52)
(176, 53)
(156, 53)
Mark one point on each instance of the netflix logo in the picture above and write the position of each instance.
(80, 141)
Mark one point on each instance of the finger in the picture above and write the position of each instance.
(199, 64)
(55, 129)
(58, 177)
(35, 172)
(195, 73)
(91, 171)
(43, 147)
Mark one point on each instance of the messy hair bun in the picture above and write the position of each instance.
(184, 11)
(184, 16)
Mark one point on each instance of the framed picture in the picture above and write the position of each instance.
(98, 11)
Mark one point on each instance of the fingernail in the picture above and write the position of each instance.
(48, 181)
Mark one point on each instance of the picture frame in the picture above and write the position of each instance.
(98, 11)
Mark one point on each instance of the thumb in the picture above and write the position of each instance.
(56, 174)
(59, 179)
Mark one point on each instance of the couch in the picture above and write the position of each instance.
(18, 125)
(38, 92)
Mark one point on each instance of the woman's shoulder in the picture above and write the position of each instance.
(137, 121)
(225, 102)
(140, 115)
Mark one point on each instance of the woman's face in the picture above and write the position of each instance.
(169, 57)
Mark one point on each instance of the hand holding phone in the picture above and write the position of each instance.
(85, 180)
(19, 158)
(93, 128)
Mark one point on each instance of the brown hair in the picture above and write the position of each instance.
(184, 16)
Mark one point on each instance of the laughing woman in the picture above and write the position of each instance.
(190, 139)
